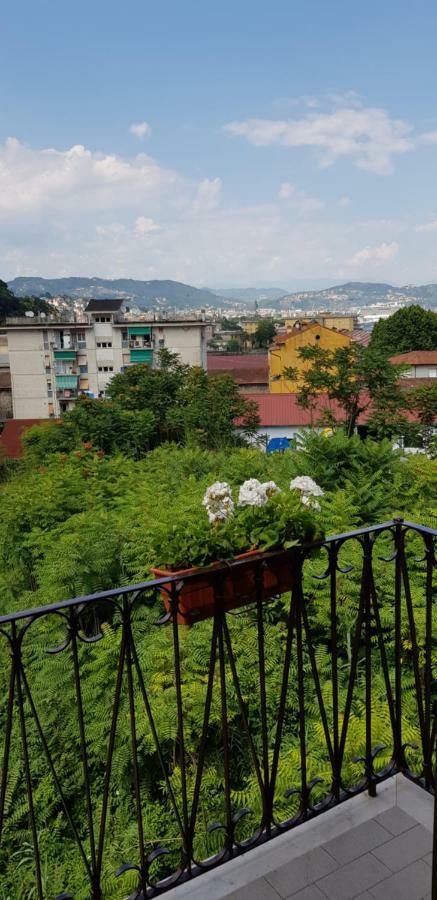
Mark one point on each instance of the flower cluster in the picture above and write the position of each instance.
(253, 493)
(310, 490)
(218, 501)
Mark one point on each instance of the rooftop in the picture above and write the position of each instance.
(284, 410)
(10, 437)
(110, 305)
(416, 358)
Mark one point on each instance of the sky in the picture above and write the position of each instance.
(232, 143)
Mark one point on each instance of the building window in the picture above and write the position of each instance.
(48, 370)
(45, 337)
(104, 344)
(102, 318)
(161, 342)
(50, 394)
(106, 368)
(83, 369)
(433, 373)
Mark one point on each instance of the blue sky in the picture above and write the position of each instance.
(222, 144)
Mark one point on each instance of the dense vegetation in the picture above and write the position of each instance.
(410, 328)
(83, 520)
(10, 305)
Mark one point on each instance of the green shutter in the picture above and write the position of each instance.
(64, 354)
(139, 329)
(141, 356)
(67, 381)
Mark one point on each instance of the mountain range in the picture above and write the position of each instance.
(155, 294)
(176, 295)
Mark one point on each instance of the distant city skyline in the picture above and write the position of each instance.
(231, 145)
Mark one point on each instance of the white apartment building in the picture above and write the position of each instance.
(53, 362)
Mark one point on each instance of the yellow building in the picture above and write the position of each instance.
(285, 353)
(250, 326)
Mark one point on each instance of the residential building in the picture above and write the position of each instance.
(421, 363)
(54, 361)
(249, 370)
(285, 353)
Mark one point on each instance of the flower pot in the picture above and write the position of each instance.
(199, 594)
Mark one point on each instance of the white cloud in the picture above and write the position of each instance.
(374, 255)
(300, 201)
(428, 226)
(72, 211)
(207, 195)
(143, 225)
(140, 130)
(286, 190)
(429, 137)
(365, 134)
(77, 179)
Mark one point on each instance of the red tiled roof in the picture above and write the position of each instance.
(358, 336)
(416, 358)
(10, 438)
(228, 362)
(283, 410)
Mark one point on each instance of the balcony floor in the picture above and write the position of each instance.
(367, 848)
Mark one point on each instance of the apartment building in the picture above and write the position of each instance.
(52, 362)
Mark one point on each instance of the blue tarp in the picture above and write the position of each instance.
(278, 445)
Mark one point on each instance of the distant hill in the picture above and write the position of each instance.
(360, 293)
(145, 293)
(249, 295)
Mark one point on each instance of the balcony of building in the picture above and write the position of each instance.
(293, 763)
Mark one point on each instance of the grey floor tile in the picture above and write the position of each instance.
(311, 892)
(412, 883)
(357, 841)
(354, 878)
(365, 896)
(396, 820)
(405, 849)
(428, 858)
(302, 871)
(257, 890)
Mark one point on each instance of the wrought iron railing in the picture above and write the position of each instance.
(238, 728)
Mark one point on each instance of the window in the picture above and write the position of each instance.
(50, 394)
(161, 342)
(83, 369)
(104, 344)
(48, 370)
(81, 340)
(45, 337)
(433, 373)
(106, 368)
(102, 318)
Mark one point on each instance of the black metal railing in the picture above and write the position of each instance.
(214, 738)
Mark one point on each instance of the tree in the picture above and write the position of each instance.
(265, 332)
(410, 328)
(359, 380)
(10, 305)
(422, 401)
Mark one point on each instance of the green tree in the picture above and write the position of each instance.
(359, 380)
(410, 328)
(265, 332)
(10, 305)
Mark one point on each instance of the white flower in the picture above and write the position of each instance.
(310, 500)
(306, 484)
(270, 488)
(252, 493)
(218, 501)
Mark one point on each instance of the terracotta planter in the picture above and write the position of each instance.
(197, 596)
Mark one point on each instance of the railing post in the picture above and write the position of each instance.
(434, 840)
